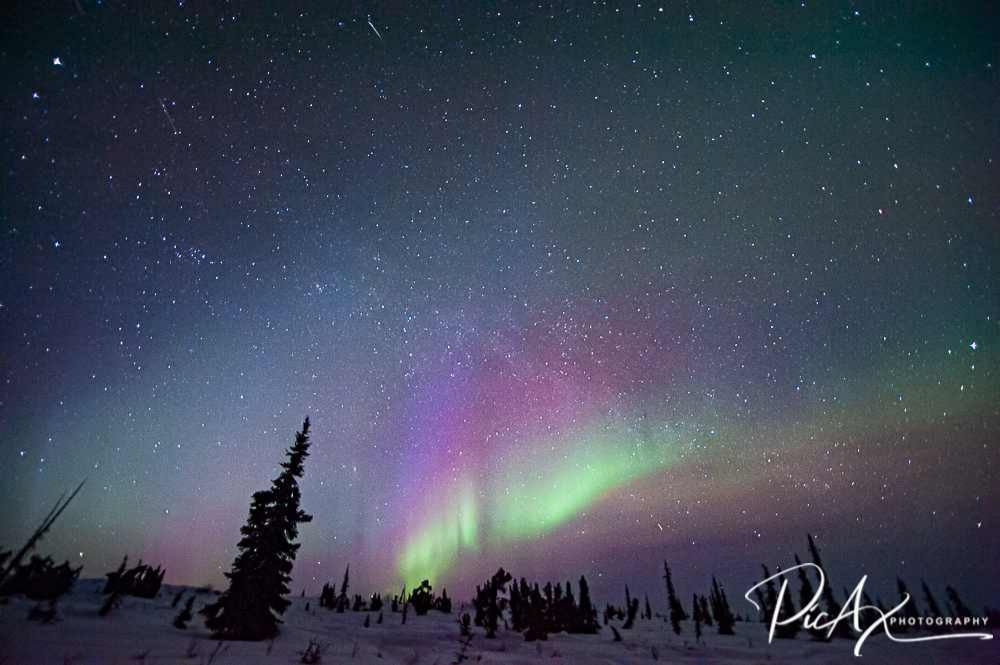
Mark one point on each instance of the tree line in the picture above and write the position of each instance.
(258, 585)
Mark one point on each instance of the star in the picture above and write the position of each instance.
(57, 62)
(973, 346)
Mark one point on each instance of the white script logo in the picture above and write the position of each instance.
(853, 607)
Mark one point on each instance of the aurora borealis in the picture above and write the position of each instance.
(566, 289)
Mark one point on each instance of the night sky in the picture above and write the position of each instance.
(564, 290)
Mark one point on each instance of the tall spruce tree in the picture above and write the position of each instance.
(250, 607)
(720, 608)
(677, 613)
(843, 628)
(806, 593)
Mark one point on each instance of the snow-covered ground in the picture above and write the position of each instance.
(140, 631)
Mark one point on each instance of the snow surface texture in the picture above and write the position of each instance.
(140, 631)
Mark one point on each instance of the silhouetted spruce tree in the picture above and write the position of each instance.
(344, 586)
(443, 602)
(487, 605)
(786, 631)
(536, 617)
(649, 610)
(762, 603)
(41, 579)
(933, 609)
(113, 577)
(565, 610)
(706, 614)
(867, 616)
(328, 597)
(517, 619)
(181, 620)
(843, 628)
(250, 607)
(631, 608)
(143, 580)
(910, 610)
(11, 563)
(720, 608)
(697, 618)
(677, 613)
(586, 615)
(958, 608)
(422, 598)
(806, 593)
(464, 625)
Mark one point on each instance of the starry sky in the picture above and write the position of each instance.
(568, 288)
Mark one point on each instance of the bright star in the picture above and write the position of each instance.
(973, 346)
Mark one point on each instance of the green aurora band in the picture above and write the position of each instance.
(545, 485)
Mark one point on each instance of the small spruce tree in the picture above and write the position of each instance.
(697, 618)
(958, 608)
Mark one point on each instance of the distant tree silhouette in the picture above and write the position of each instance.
(13, 561)
(781, 631)
(958, 608)
(677, 613)
(328, 597)
(697, 618)
(250, 607)
(933, 609)
(806, 592)
(142, 580)
(517, 605)
(586, 621)
(344, 586)
(464, 624)
(443, 602)
(375, 604)
(537, 625)
(720, 608)
(181, 620)
(649, 610)
(422, 598)
(843, 628)
(706, 614)
(487, 604)
(40, 579)
(910, 610)
(631, 609)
